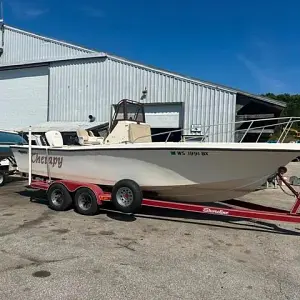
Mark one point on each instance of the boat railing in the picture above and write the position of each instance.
(285, 122)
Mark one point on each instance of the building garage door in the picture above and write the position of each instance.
(23, 97)
(164, 115)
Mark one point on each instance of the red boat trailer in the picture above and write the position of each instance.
(87, 198)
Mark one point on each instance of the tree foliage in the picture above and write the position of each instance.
(292, 110)
(293, 103)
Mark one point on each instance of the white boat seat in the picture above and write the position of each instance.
(85, 139)
(54, 138)
(35, 139)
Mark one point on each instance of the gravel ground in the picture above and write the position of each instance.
(157, 254)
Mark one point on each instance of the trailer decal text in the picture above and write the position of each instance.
(215, 211)
(52, 160)
(189, 153)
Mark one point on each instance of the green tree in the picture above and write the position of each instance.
(292, 110)
(293, 103)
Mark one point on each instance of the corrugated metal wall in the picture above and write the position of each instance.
(23, 47)
(91, 86)
(24, 97)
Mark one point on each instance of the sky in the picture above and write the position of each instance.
(248, 45)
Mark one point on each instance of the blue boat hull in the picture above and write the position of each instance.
(7, 139)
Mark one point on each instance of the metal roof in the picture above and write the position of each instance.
(50, 40)
(95, 54)
(195, 80)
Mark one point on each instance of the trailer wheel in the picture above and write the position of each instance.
(2, 178)
(127, 196)
(85, 201)
(59, 197)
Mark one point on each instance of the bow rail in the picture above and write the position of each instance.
(281, 124)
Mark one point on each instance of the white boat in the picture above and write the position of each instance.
(174, 171)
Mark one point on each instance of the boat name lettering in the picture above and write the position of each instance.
(215, 211)
(52, 160)
(189, 153)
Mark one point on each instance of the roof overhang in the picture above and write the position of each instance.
(62, 126)
(29, 64)
(279, 104)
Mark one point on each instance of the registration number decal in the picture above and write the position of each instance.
(189, 153)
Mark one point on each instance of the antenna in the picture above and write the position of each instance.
(1, 28)
(1, 13)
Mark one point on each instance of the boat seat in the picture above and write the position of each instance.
(36, 139)
(85, 139)
(54, 138)
(129, 132)
(139, 133)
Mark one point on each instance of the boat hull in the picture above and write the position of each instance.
(5, 152)
(207, 174)
(8, 138)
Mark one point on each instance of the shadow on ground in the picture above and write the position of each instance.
(39, 197)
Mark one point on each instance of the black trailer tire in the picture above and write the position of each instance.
(2, 178)
(85, 202)
(127, 196)
(59, 197)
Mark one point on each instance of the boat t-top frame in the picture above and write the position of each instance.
(127, 110)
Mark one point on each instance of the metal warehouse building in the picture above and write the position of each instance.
(42, 79)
